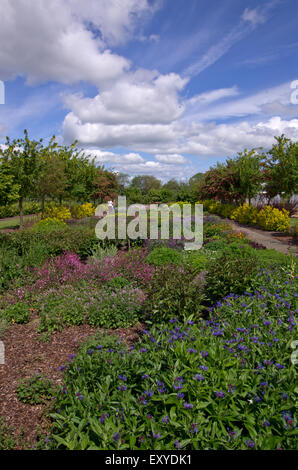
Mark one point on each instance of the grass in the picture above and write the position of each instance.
(14, 222)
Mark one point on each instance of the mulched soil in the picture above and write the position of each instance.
(25, 356)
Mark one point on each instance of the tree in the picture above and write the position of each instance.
(282, 168)
(251, 175)
(123, 181)
(105, 186)
(145, 183)
(9, 189)
(21, 156)
(52, 179)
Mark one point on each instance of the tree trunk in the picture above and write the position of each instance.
(42, 206)
(21, 212)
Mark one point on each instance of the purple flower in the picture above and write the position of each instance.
(266, 423)
(180, 395)
(220, 394)
(90, 351)
(188, 406)
(250, 443)
(199, 377)
(157, 435)
(122, 388)
(204, 353)
(122, 377)
(204, 368)
(116, 436)
(193, 428)
(191, 351)
(165, 419)
(177, 444)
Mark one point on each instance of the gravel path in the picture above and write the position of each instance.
(278, 241)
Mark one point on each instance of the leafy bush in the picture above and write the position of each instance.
(231, 271)
(163, 255)
(83, 210)
(270, 218)
(226, 383)
(12, 210)
(58, 212)
(197, 260)
(245, 214)
(7, 441)
(49, 224)
(117, 282)
(117, 309)
(16, 313)
(173, 290)
(35, 390)
(272, 257)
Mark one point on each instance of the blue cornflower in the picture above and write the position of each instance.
(122, 388)
(157, 435)
(204, 353)
(122, 377)
(199, 377)
(266, 423)
(165, 419)
(191, 351)
(220, 394)
(193, 428)
(177, 444)
(148, 393)
(188, 406)
(204, 368)
(116, 436)
(90, 352)
(180, 395)
(250, 443)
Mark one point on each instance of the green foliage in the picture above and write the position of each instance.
(117, 308)
(7, 440)
(197, 260)
(282, 168)
(173, 291)
(16, 313)
(231, 398)
(12, 210)
(117, 283)
(162, 255)
(231, 272)
(35, 390)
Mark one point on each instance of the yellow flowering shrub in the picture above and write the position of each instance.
(49, 223)
(58, 212)
(245, 214)
(270, 218)
(215, 207)
(83, 210)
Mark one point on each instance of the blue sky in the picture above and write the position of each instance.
(163, 87)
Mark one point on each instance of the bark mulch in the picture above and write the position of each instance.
(25, 356)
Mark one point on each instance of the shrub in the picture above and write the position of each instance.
(35, 390)
(118, 308)
(116, 283)
(164, 256)
(82, 211)
(12, 210)
(245, 214)
(270, 218)
(225, 383)
(197, 260)
(173, 291)
(16, 313)
(232, 271)
(59, 212)
(49, 224)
